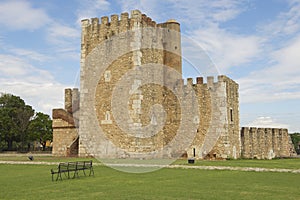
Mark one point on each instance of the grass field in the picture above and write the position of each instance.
(34, 182)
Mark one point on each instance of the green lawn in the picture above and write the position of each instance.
(34, 182)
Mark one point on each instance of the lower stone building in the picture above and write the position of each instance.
(65, 132)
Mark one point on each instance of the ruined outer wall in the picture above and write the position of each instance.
(266, 143)
(65, 134)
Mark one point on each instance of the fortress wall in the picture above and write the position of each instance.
(265, 143)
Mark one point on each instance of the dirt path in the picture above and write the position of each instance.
(254, 169)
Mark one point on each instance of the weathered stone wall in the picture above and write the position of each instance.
(122, 45)
(218, 132)
(65, 132)
(266, 143)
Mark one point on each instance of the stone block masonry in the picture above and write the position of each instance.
(65, 132)
(148, 55)
(218, 132)
(266, 143)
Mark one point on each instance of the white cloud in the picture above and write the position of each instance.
(91, 8)
(12, 66)
(42, 95)
(61, 31)
(286, 23)
(192, 13)
(65, 39)
(266, 122)
(37, 87)
(288, 57)
(278, 77)
(277, 81)
(20, 15)
(151, 8)
(16, 68)
(29, 54)
(227, 49)
(62, 35)
(197, 12)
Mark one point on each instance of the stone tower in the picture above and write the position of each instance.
(128, 42)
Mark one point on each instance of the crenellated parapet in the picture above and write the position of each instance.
(211, 82)
(265, 143)
(95, 31)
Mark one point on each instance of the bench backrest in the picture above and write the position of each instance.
(63, 167)
(88, 164)
(70, 166)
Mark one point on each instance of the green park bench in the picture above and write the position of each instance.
(71, 169)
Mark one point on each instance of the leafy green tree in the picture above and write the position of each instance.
(15, 116)
(296, 139)
(40, 128)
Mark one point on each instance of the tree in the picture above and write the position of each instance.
(296, 139)
(40, 128)
(14, 119)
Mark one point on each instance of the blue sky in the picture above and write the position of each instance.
(254, 42)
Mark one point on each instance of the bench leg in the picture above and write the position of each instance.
(91, 171)
(76, 173)
(58, 176)
(66, 174)
(84, 172)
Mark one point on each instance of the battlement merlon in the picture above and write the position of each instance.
(269, 129)
(136, 16)
(124, 21)
(211, 82)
